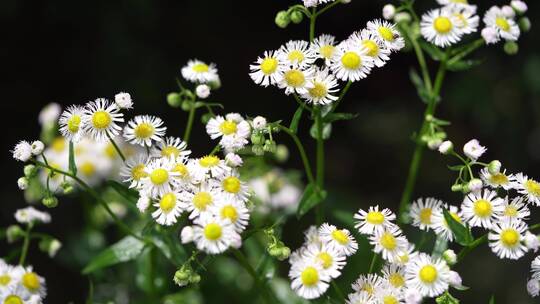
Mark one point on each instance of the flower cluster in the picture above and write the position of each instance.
(501, 24)
(19, 284)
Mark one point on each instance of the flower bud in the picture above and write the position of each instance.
(37, 147)
(202, 91)
(524, 24)
(285, 252)
(270, 146)
(174, 99)
(533, 287)
(490, 35)
(511, 48)
(186, 105)
(257, 138)
(50, 246)
(494, 167)
(22, 182)
(388, 11)
(457, 188)
(30, 171)
(434, 143)
(446, 147)
(475, 185)
(182, 276)
(67, 187)
(508, 11)
(519, 6)
(123, 100)
(296, 16)
(205, 118)
(274, 251)
(282, 153)
(454, 279)
(259, 123)
(233, 160)
(257, 150)
(282, 19)
(186, 235)
(402, 17)
(13, 233)
(50, 201)
(195, 278)
(531, 241)
(450, 257)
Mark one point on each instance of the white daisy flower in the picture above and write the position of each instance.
(535, 268)
(505, 239)
(464, 17)
(22, 151)
(233, 132)
(321, 87)
(200, 198)
(201, 168)
(368, 40)
(143, 129)
(387, 34)
(482, 209)
(331, 259)
(394, 275)
(308, 279)
(170, 147)
(133, 170)
(473, 149)
(297, 54)
(528, 187)
(324, 47)
(422, 212)
(231, 210)
(31, 281)
(160, 177)
(428, 275)
(350, 63)
(359, 298)
(440, 226)
(200, 72)
(233, 187)
(506, 27)
(71, 123)
(295, 80)
(101, 118)
(389, 243)
(499, 179)
(386, 294)
(438, 26)
(181, 167)
(267, 70)
(7, 276)
(123, 100)
(16, 294)
(515, 209)
(213, 235)
(368, 283)
(32, 215)
(169, 207)
(340, 239)
(374, 220)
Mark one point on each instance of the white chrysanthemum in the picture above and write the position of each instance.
(407, 255)
(170, 147)
(394, 275)
(528, 187)
(500, 179)
(133, 170)
(201, 197)
(368, 283)
(22, 151)
(389, 243)
(359, 298)
(17, 294)
(506, 27)
(231, 210)
(464, 18)
(367, 40)
(7, 276)
(387, 294)
(387, 34)
(71, 123)
(200, 72)
(351, 63)
(213, 235)
(143, 129)
(295, 80)
(308, 279)
(297, 54)
(535, 268)
(428, 275)
(482, 209)
(233, 187)
(321, 87)
(440, 225)
(506, 237)
(30, 281)
(324, 47)
(331, 259)
(160, 177)
(201, 168)
(32, 215)
(515, 209)
(340, 239)
(123, 100)
(184, 175)
(422, 211)
(233, 132)
(439, 27)
(268, 70)
(374, 220)
(169, 206)
(101, 118)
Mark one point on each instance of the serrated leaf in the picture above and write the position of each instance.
(326, 131)
(72, 165)
(462, 234)
(434, 52)
(339, 116)
(462, 65)
(310, 198)
(129, 194)
(296, 119)
(418, 83)
(127, 249)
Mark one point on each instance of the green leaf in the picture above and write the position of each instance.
(456, 167)
(72, 165)
(296, 119)
(423, 93)
(311, 197)
(434, 52)
(344, 217)
(129, 194)
(446, 298)
(339, 116)
(127, 249)
(462, 65)
(200, 104)
(463, 234)
(326, 131)
(169, 245)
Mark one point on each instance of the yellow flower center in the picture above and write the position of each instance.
(325, 259)
(269, 65)
(318, 90)
(327, 51)
(209, 161)
(425, 216)
(510, 211)
(388, 241)
(294, 78)
(428, 274)
(532, 187)
(169, 151)
(461, 1)
(351, 60)
(4, 279)
(510, 237)
(200, 68)
(340, 236)
(372, 47)
(201, 200)
(137, 172)
(182, 170)
(386, 33)
(229, 212)
(144, 130)
(167, 202)
(309, 276)
(390, 300)
(101, 120)
(13, 299)
(296, 55)
(87, 168)
(462, 20)
(368, 288)
(159, 176)
(404, 259)
(73, 123)
(375, 217)
(482, 208)
(212, 231)
(231, 184)
(110, 151)
(58, 144)
(30, 280)
(442, 25)
(502, 23)
(227, 127)
(396, 280)
(499, 179)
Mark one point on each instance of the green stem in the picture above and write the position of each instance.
(116, 148)
(320, 163)
(189, 124)
(26, 244)
(329, 6)
(312, 20)
(373, 262)
(338, 291)
(267, 294)
(302, 151)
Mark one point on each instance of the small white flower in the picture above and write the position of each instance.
(170, 147)
(200, 72)
(324, 47)
(368, 283)
(123, 100)
(213, 235)
(331, 259)
(159, 178)
(496, 180)
(267, 70)
(143, 129)
(531, 241)
(101, 118)
(37, 147)
(308, 279)
(533, 288)
(340, 239)
(186, 235)
(390, 243)
(388, 11)
(440, 226)
(373, 220)
(367, 41)
(231, 210)
(259, 123)
(22, 183)
(32, 283)
(133, 170)
(508, 11)
(206, 166)
(423, 210)
(445, 147)
(450, 256)
(49, 114)
(297, 54)
(232, 129)
(31, 215)
(482, 209)
(515, 209)
(428, 275)
(519, 6)
(490, 35)
(311, 3)
(71, 123)
(412, 296)
(387, 34)
(473, 149)
(438, 26)
(169, 207)
(202, 91)
(506, 238)
(321, 87)
(394, 274)
(201, 198)
(351, 63)
(464, 17)
(528, 187)
(295, 80)
(359, 298)
(233, 160)
(22, 151)
(505, 27)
